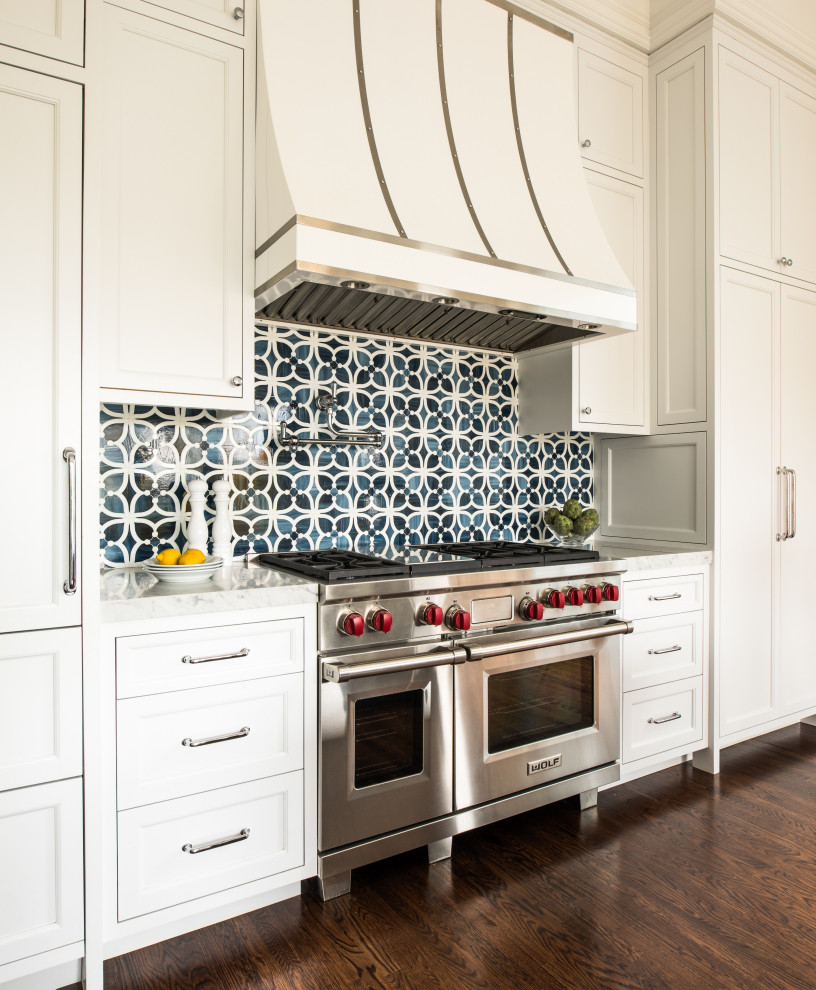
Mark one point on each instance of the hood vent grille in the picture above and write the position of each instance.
(338, 308)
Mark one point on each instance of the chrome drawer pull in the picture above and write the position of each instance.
(667, 649)
(664, 598)
(209, 740)
(70, 586)
(224, 656)
(206, 846)
(666, 718)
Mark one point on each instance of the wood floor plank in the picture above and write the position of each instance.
(677, 881)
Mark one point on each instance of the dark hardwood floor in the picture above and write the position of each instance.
(677, 880)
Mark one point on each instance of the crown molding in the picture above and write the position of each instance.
(626, 20)
(670, 19)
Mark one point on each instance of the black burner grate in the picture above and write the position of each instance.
(330, 566)
(494, 554)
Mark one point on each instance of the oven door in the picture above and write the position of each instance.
(386, 754)
(530, 714)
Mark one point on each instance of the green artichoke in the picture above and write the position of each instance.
(572, 508)
(561, 525)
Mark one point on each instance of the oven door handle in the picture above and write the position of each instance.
(339, 672)
(619, 627)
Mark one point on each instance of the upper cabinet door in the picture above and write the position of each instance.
(40, 314)
(612, 380)
(748, 179)
(610, 114)
(172, 215)
(797, 134)
(226, 14)
(54, 28)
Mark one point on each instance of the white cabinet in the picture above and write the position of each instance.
(40, 706)
(41, 869)
(767, 143)
(226, 14)
(599, 387)
(54, 28)
(610, 113)
(665, 666)
(766, 667)
(174, 306)
(40, 314)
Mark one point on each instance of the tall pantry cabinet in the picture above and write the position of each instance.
(41, 839)
(736, 297)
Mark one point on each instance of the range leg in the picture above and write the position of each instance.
(588, 799)
(334, 886)
(440, 850)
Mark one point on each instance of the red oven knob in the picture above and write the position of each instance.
(593, 595)
(554, 599)
(431, 615)
(531, 610)
(352, 624)
(381, 620)
(458, 618)
(610, 592)
(575, 596)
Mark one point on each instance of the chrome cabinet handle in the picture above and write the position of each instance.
(237, 381)
(667, 649)
(782, 472)
(664, 598)
(238, 13)
(215, 843)
(792, 503)
(785, 262)
(70, 586)
(665, 718)
(586, 144)
(209, 740)
(586, 410)
(223, 656)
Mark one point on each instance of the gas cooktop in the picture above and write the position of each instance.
(334, 565)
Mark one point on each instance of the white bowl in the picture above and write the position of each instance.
(183, 573)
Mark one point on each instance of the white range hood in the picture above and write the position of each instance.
(419, 175)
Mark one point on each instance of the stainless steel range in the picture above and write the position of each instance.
(459, 685)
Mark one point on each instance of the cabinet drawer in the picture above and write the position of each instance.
(40, 707)
(156, 760)
(174, 661)
(664, 649)
(660, 718)
(663, 596)
(40, 869)
(158, 869)
(218, 13)
(54, 28)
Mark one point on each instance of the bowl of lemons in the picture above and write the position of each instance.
(174, 567)
(571, 524)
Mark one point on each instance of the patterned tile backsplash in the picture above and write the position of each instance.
(453, 465)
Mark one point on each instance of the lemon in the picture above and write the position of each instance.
(192, 557)
(168, 556)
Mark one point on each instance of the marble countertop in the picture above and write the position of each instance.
(640, 558)
(130, 593)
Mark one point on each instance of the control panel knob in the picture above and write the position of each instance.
(554, 599)
(381, 620)
(431, 615)
(530, 610)
(575, 596)
(352, 624)
(593, 595)
(610, 592)
(458, 618)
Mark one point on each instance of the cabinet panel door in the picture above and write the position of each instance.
(219, 13)
(612, 381)
(610, 114)
(681, 242)
(40, 706)
(172, 194)
(40, 312)
(54, 28)
(41, 868)
(797, 656)
(748, 179)
(797, 133)
(746, 532)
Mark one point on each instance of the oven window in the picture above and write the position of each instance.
(537, 703)
(387, 737)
